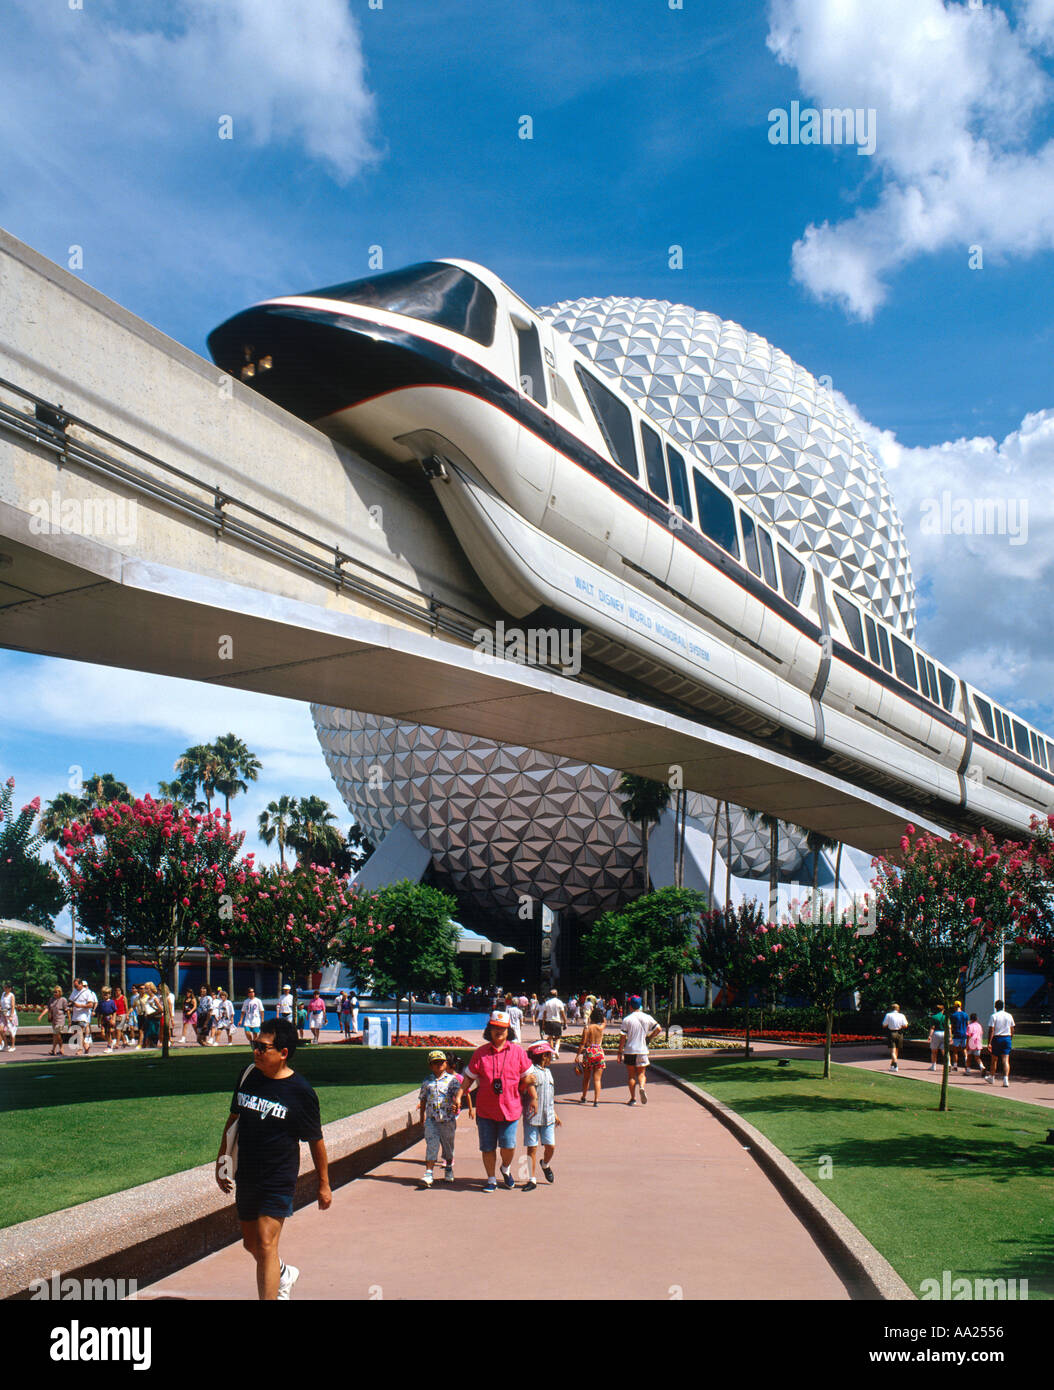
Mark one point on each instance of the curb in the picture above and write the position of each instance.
(148, 1232)
(867, 1274)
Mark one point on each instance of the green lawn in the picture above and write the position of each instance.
(74, 1130)
(1033, 1042)
(967, 1191)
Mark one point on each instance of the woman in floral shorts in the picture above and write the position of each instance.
(590, 1056)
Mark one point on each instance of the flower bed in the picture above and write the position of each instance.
(611, 1042)
(775, 1035)
(431, 1040)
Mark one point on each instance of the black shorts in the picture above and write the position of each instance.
(634, 1059)
(895, 1040)
(253, 1202)
(551, 1028)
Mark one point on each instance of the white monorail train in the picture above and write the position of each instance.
(568, 500)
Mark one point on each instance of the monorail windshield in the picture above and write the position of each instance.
(432, 292)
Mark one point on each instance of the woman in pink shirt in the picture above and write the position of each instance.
(973, 1045)
(499, 1068)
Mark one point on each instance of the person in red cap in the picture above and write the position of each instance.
(500, 1070)
(540, 1127)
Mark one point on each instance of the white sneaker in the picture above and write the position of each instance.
(1006, 1081)
(933, 1066)
(988, 1079)
(426, 1179)
(449, 1175)
(290, 1274)
(109, 1049)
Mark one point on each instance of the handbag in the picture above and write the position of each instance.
(230, 1142)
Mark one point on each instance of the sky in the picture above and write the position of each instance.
(917, 274)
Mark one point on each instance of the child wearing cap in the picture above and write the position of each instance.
(439, 1101)
(540, 1128)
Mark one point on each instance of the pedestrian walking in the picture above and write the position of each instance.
(354, 1013)
(439, 1103)
(553, 1020)
(342, 1008)
(958, 1024)
(205, 1022)
(135, 1021)
(83, 1003)
(224, 1014)
(540, 1122)
(251, 1016)
(107, 1010)
(190, 1016)
(57, 1011)
(286, 1003)
(499, 1068)
(301, 1019)
(973, 1044)
(150, 1006)
(1000, 1041)
(589, 1060)
(316, 1013)
(120, 1020)
(894, 1023)
(274, 1109)
(638, 1029)
(515, 1022)
(936, 1038)
(8, 1017)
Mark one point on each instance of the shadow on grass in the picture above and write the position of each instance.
(31, 1086)
(999, 1161)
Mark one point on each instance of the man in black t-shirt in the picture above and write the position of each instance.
(275, 1109)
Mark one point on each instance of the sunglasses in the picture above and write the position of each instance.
(265, 1047)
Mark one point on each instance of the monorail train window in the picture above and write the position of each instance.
(717, 516)
(1042, 754)
(850, 615)
(872, 640)
(984, 709)
(933, 681)
(750, 544)
(653, 462)
(679, 482)
(792, 572)
(924, 680)
(904, 660)
(1002, 725)
(883, 646)
(1021, 739)
(1035, 747)
(947, 690)
(768, 559)
(432, 292)
(1050, 756)
(613, 417)
(532, 372)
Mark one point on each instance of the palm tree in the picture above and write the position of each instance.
(816, 843)
(59, 813)
(200, 767)
(102, 789)
(312, 825)
(274, 824)
(236, 767)
(183, 792)
(772, 824)
(644, 804)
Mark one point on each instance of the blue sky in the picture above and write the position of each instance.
(355, 126)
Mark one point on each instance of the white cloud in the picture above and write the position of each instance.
(985, 594)
(957, 93)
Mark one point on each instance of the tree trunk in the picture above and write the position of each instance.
(746, 1045)
(106, 967)
(728, 855)
(774, 849)
(397, 1012)
(165, 1011)
(230, 977)
(837, 880)
(208, 968)
(409, 1011)
(947, 1005)
(815, 885)
(644, 846)
(73, 948)
(713, 855)
(124, 973)
(829, 1016)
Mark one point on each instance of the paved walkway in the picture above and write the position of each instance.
(649, 1202)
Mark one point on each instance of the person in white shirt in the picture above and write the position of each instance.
(8, 1016)
(251, 1016)
(638, 1029)
(552, 1020)
(285, 1003)
(894, 1023)
(354, 1013)
(1000, 1041)
(515, 1022)
(224, 1011)
(83, 1004)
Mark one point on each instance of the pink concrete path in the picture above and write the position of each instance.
(649, 1202)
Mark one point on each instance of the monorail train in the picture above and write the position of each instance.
(568, 500)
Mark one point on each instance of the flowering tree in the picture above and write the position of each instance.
(824, 961)
(30, 890)
(154, 876)
(738, 947)
(944, 910)
(1036, 921)
(300, 919)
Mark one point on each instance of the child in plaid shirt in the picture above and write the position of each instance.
(439, 1101)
